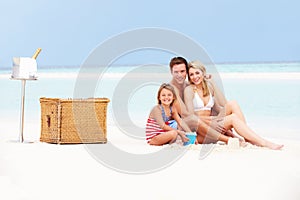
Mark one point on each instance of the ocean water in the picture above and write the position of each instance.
(271, 106)
(259, 67)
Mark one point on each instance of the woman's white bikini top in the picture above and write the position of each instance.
(199, 105)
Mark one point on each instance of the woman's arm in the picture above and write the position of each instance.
(217, 93)
(188, 99)
(219, 97)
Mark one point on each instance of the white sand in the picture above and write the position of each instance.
(37, 171)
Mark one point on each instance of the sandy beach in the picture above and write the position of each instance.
(33, 170)
(46, 171)
(123, 51)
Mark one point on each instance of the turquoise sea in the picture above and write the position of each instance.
(271, 105)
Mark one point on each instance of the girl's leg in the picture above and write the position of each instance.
(233, 121)
(164, 138)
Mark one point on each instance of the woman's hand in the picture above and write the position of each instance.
(215, 124)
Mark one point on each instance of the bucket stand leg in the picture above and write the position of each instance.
(21, 138)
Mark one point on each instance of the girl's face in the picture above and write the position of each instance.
(196, 76)
(166, 97)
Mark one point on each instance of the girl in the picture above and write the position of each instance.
(162, 124)
(200, 100)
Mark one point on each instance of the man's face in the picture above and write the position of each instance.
(179, 73)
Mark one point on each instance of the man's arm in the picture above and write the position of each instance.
(188, 99)
(180, 106)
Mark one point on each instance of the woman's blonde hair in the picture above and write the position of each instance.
(168, 87)
(198, 65)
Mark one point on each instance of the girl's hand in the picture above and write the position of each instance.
(183, 137)
(196, 141)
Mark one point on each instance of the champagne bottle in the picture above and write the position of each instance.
(36, 53)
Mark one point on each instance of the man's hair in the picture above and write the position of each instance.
(177, 61)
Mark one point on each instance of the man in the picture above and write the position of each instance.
(205, 133)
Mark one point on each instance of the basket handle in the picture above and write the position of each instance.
(48, 120)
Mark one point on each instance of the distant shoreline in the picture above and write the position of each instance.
(158, 64)
(223, 75)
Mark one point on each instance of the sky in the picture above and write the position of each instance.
(229, 30)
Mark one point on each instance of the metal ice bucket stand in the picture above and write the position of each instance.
(24, 69)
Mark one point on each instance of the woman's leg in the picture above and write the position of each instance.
(205, 133)
(232, 107)
(233, 121)
(208, 134)
(164, 138)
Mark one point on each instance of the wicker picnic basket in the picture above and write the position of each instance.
(73, 121)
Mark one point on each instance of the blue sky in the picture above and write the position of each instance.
(229, 30)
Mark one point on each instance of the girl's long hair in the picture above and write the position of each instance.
(168, 87)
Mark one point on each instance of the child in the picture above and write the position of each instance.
(161, 127)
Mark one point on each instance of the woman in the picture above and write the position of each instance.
(161, 127)
(199, 100)
(222, 107)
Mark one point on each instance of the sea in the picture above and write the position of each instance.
(268, 94)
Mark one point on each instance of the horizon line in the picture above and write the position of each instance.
(216, 63)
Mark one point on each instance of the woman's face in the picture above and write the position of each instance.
(196, 76)
(166, 96)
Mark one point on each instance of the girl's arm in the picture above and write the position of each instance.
(157, 115)
(182, 124)
(179, 121)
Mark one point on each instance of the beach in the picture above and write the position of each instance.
(36, 170)
(43, 171)
(124, 51)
